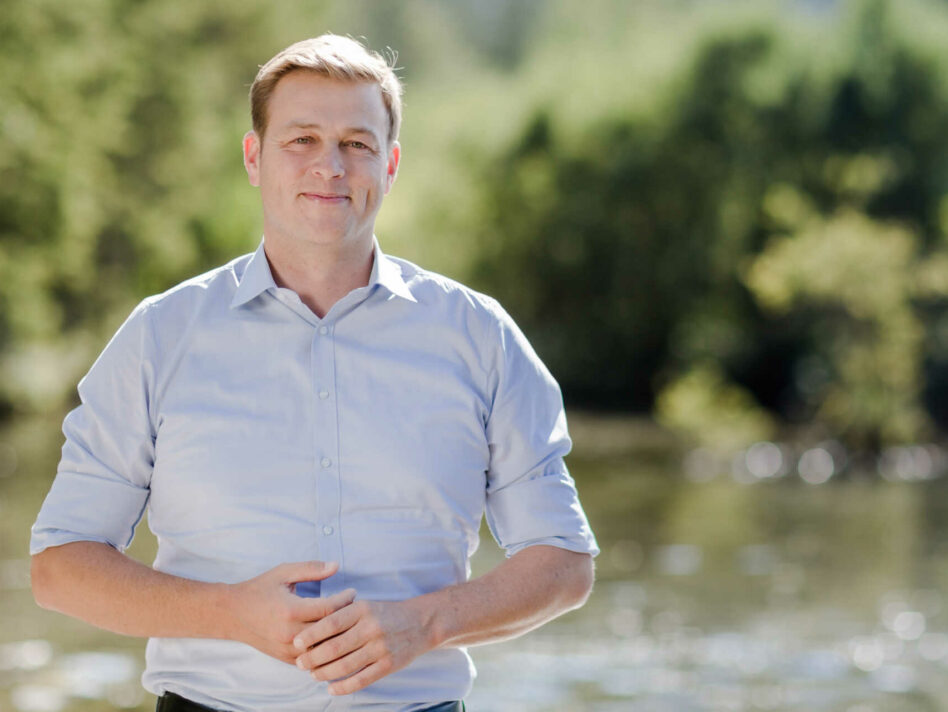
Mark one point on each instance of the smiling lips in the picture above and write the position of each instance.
(326, 198)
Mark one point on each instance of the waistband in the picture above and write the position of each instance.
(170, 702)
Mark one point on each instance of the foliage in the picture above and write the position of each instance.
(856, 277)
(722, 415)
(120, 166)
(773, 222)
(739, 218)
(117, 122)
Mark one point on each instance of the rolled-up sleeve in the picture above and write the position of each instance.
(102, 482)
(531, 498)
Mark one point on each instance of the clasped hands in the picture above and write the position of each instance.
(348, 643)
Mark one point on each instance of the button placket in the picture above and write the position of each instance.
(326, 455)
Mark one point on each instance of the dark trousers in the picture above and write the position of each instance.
(170, 702)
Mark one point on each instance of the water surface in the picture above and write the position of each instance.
(752, 584)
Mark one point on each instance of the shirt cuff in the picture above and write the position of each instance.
(545, 510)
(76, 507)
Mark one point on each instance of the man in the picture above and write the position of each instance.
(315, 402)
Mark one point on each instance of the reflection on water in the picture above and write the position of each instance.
(785, 578)
(94, 676)
(646, 656)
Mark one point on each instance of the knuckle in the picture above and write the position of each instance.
(331, 650)
(335, 604)
(334, 625)
(277, 571)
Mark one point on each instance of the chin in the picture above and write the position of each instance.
(329, 237)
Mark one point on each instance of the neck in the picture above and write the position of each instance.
(320, 274)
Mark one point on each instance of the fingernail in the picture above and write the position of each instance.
(298, 644)
(299, 664)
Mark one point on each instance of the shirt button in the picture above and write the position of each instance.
(324, 330)
(326, 462)
(327, 530)
(323, 395)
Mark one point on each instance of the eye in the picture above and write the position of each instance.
(359, 145)
(302, 140)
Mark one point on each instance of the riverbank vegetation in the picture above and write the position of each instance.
(733, 216)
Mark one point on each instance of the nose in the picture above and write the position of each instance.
(327, 162)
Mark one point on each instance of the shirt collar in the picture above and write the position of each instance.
(388, 274)
(255, 280)
(257, 277)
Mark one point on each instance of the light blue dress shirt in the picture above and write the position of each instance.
(255, 433)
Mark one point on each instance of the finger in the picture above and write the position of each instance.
(332, 625)
(306, 571)
(363, 678)
(285, 653)
(330, 650)
(310, 610)
(345, 666)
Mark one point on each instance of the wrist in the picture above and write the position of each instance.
(436, 612)
(225, 609)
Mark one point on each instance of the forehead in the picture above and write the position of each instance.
(306, 97)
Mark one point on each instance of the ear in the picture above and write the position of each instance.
(394, 155)
(252, 157)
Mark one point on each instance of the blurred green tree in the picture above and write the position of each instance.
(117, 118)
(757, 246)
(756, 236)
(120, 165)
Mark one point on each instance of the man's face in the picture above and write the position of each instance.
(324, 164)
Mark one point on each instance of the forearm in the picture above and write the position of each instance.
(362, 643)
(525, 591)
(95, 583)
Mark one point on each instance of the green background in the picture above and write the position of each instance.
(723, 225)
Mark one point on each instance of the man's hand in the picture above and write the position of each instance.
(268, 615)
(367, 640)
(363, 642)
(95, 583)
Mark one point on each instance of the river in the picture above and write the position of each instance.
(782, 579)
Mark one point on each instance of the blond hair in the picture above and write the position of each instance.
(334, 57)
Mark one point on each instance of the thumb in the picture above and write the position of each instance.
(307, 571)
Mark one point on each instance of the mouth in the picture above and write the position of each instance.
(326, 198)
